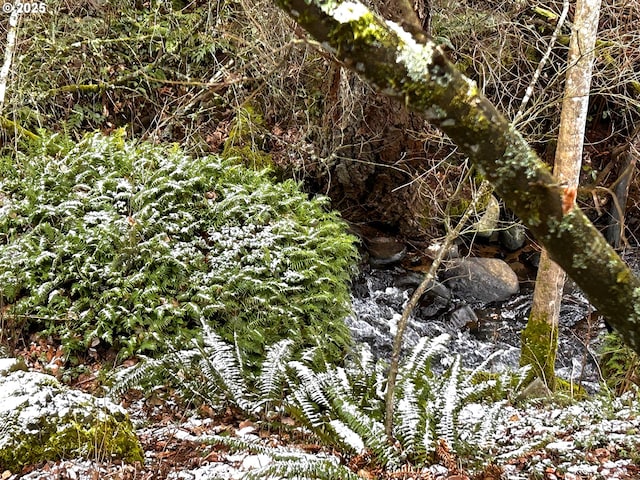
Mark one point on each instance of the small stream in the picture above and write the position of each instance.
(476, 330)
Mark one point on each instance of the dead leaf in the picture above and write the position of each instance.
(245, 424)
(366, 474)
(288, 421)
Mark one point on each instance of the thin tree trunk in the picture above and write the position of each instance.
(418, 74)
(427, 283)
(8, 54)
(540, 337)
(627, 159)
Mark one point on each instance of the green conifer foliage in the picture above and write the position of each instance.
(131, 244)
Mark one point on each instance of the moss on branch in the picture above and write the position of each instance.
(15, 127)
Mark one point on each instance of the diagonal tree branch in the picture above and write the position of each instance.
(416, 72)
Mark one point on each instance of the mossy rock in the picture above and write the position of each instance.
(42, 420)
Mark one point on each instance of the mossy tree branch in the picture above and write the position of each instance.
(15, 127)
(416, 72)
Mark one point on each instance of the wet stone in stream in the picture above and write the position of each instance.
(477, 330)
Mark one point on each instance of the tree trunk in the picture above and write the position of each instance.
(417, 73)
(626, 157)
(540, 337)
(371, 153)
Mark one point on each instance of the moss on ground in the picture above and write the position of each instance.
(44, 421)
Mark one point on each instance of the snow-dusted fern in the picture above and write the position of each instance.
(287, 463)
(343, 406)
(212, 371)
(129, 244)
(429, 407)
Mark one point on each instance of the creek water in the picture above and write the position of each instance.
(476, 330)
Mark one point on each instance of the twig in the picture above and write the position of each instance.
(543, 61)
(485, 188)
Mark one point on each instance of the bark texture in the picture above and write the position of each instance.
(626, 157)
(370, 155)
(417, 73)
(540, 337)
(369, 147)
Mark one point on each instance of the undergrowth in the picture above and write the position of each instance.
(110, 242)
(342, 406)
(620, 365)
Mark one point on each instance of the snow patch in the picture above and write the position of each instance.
(349, 11)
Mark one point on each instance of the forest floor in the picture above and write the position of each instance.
(598, 438)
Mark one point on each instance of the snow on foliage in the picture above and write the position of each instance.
(122, 243)
(43, 420)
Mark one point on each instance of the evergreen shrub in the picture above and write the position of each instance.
(111, 242)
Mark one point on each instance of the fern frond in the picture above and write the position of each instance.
(522, 375)
(370, 431)
(287, 462)
(418, 363)
(311, 383)
(407, 418)
(273, 373)
(312, 468)
(134, 376)
(483, 437)
(348, 436)
(221, 362)
(448, 402)
(310, 411)
(427, 443)
(367, 379)
(480, 369)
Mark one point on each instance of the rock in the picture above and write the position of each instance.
(385, 251)
(513, 237)
(536, 389)
(414, 279)
(8, 365)
(462, 317)
(482, 279)
(43, 420)
(488, 222)
(434, 300)
(533, 259)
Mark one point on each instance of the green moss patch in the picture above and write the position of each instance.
(42, 420)
(539, 347)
